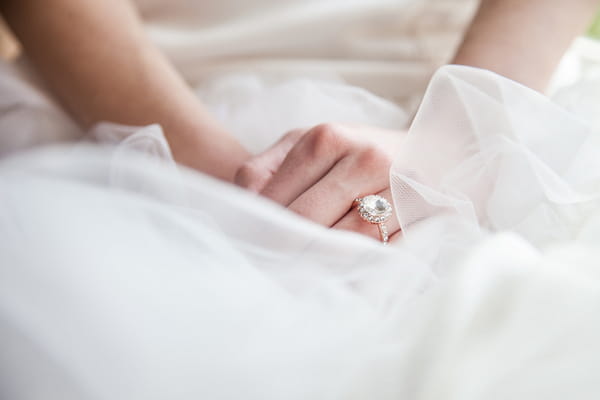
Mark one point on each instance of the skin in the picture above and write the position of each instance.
(330, 164)
(524, 40)
(318, 173)
(119, 76)
(493, 41)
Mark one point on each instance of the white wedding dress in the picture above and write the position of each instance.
(124, 276)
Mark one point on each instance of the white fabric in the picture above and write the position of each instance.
(123, 276)
(29, 116)
(576, 83)
(233, 52)
(389, 47)
(498, 157)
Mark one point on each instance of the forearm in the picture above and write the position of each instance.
(98, 61)
(524, 40)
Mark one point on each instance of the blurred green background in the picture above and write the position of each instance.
(595, 28)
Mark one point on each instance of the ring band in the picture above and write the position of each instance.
(375, 210)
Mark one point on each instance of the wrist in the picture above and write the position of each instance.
(210, 150)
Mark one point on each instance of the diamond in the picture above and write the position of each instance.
(375, 209)
(380, 205)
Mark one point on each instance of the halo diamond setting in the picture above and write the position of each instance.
(376, 210)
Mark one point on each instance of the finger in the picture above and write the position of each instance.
(352, 221)
(360, 173)
(311, 159)
(256, 172)
(397, 236)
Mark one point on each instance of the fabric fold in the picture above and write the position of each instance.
(496, 156)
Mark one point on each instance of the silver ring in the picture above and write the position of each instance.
(375, 210)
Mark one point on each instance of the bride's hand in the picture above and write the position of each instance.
(318, 173)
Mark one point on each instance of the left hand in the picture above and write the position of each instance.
(318, 173)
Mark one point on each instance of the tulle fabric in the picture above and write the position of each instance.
(125, 276)
(485, 154)
(258, 110)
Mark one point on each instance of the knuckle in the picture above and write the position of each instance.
(323, 139)
(373, 159)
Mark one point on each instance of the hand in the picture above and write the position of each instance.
(318, 173)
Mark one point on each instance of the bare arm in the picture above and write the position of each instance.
(98, 61)
(524, 39)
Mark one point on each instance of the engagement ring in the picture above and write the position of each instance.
(376, 210)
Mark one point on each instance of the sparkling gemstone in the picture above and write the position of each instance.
(380, 205)
(376, 207)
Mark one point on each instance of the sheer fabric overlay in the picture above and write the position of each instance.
(124, 275)
(485, 154)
